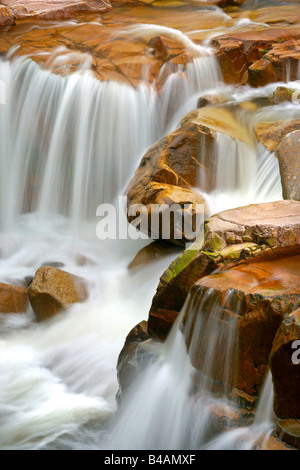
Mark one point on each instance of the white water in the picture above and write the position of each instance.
(82, 140)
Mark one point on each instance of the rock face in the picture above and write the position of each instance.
(285, 367)
(288, 154)
(231, 237)
(173, 169)
(52, 290)
(13, 299)
(54, 9)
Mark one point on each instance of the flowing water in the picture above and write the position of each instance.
(68, 144)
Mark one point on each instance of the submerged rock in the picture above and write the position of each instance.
(13, 299)
(53, 290)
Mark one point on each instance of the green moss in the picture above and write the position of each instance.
(182, 261)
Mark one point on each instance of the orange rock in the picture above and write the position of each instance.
(6, 16)
(272, 133)
(53, 290)
(253, 299)
(13, 299)
(54, 9)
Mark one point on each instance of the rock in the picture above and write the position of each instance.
(6, 16)
(285, 367)
(282, 94)
(173, 169)
(288, 154)
(246, 303)
(208, 100)
(259, 57)
(288, 431)
(132, 358)
(152, 252)
(271, 134)
(53, 290)
(54, 9)
(271, 443)
(13, 299)
(231, 237)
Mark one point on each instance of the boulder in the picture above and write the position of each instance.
(231, 237)
(288, 154)
(152, 252)
(173, 169)
(285, 367)
(53, 290)
(13, 299)
(288, 430)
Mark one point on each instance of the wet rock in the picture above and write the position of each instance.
(285, 367)
(271, 443)
(259, 57)
(271, 134)
(208, 100)
(288, 430)
(13, 299)
(288, 154)
(53, 290)
(176, 165)
(135, 354)
(246, 303)
(282, 94)
(231, 237)
(54, 9)
(6, 16)
(152, 252)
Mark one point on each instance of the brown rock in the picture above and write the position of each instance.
(130, 361)
(271, 134)
(288, 431)
(282, 94)
(260, 57)
(231, 238)
(13, 299)
(180, 162)
(288, 154)
(52, 290)
(152, 252)
(247, 303)
(285, 367)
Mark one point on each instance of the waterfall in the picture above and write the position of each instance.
(67, 144)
